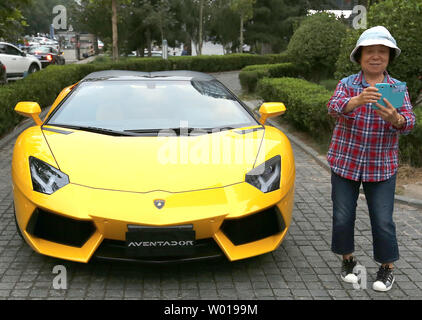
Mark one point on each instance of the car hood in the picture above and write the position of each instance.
(144, 164)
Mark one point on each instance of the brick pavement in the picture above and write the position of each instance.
(303, 267)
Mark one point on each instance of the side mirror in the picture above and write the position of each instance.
(30, 110)
(270, 110)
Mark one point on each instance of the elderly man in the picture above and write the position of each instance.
(364, 149)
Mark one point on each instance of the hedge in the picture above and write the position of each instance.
(411, 144)
(306, 105)
(44, 86)
(250, 75)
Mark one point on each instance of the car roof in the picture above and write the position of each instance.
(135, 75)
(10, 44)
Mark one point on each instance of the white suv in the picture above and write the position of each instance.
(17, 62)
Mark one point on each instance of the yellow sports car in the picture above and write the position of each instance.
(153, 167)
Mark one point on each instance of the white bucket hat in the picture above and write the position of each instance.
(373, 36)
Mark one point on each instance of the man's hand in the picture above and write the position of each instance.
(390, 114)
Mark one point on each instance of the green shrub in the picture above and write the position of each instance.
(305, 103)
(411, 144)
(316, 45)
(344, 67)
(403, 19)
(44, 86)
(250, 75)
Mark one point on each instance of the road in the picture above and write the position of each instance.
(303, 267)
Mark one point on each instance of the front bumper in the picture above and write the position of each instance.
(217, 216)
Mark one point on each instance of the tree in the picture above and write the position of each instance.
(274, 22)
(39, 14)
(223, 26)
(245, 10)
(201, 25)
(315, 45)
(114, 28)
(93, 16)
(11, 19)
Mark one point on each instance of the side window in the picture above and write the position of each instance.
(2, 49)
(13, 51)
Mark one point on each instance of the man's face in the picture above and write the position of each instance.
(374, 59)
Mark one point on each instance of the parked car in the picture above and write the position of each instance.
(153, 167)
(17, 62)
(47, 55)
(3, 76)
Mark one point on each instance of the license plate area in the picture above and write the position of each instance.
(146, 241)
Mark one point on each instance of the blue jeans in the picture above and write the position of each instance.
(380, 200)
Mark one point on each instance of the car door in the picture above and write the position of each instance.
(6, 58)
(18, 62)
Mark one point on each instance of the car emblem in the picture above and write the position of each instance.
(159, 203)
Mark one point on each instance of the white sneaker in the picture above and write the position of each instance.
(385, 279)
(347, 274)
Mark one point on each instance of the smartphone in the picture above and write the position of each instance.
(394, 93)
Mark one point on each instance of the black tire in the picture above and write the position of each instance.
(16, 223)
(33, 68)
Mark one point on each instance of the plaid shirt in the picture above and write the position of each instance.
(364, 147)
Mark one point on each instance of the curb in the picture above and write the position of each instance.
(321, 160)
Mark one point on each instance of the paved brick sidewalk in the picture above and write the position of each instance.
(303, 267)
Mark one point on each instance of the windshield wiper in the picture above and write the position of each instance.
(181, 131)
(96, 130)
(168, 131)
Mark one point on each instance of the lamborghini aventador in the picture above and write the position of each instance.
(154, 167)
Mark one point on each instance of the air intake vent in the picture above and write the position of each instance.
(254, 227)
(56, 228)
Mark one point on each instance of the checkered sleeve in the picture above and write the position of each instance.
(339, 101)
(407, 112)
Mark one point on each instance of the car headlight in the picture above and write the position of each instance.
(266, 177)
(45, 178)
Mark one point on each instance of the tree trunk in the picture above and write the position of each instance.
(241, 34)
(189, 44)
(149, 42)
(97, 51)
(201, 12)
(114, 28)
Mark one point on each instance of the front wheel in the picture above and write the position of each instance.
(33, 68)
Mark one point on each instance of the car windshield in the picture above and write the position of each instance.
(130, 105)
(39, 50)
